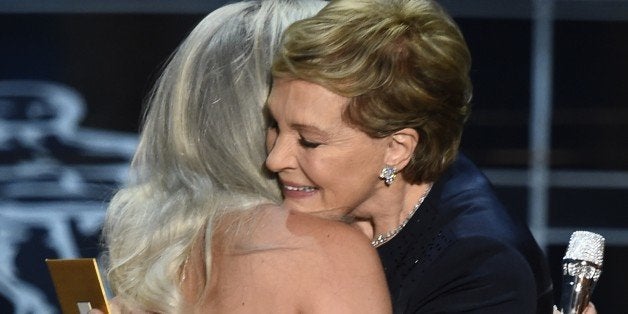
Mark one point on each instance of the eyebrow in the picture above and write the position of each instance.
(310, 129)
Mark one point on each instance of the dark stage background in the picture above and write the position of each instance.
(73, 78)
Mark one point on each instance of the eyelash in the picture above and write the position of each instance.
(273, 125)
(307, 144)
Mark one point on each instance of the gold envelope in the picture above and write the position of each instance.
(77, 281)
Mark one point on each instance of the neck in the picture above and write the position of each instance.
(393, 210)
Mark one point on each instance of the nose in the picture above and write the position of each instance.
(280, 153)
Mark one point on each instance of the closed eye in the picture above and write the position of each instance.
(307, 144)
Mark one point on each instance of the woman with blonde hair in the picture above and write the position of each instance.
(197, 228)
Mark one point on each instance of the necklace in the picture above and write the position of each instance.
(383, 238)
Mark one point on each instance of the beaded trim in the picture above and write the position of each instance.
(383, 238)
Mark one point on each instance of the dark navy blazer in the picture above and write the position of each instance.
(463, 251)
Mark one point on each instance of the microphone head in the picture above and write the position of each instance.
(586, 246)
(582, 266)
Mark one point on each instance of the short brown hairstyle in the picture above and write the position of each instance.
(404, 64)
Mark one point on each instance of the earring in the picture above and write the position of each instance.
(388, 174)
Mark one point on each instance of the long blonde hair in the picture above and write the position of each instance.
(201, 150)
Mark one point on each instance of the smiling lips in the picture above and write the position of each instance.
(299, 188)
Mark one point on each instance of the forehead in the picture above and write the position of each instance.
(290, 98)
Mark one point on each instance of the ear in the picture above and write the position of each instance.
(401, 148)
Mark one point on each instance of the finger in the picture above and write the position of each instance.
(590, 309)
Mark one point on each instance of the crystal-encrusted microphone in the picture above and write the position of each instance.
(582, 266)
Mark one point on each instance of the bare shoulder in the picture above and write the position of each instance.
(269, 259)
(328, 266)
(272, 226)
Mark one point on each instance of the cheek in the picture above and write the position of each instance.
(367, 160)
(315, 166)
(320, 167)
(341, 172)
(349, 185)
(360, 169)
